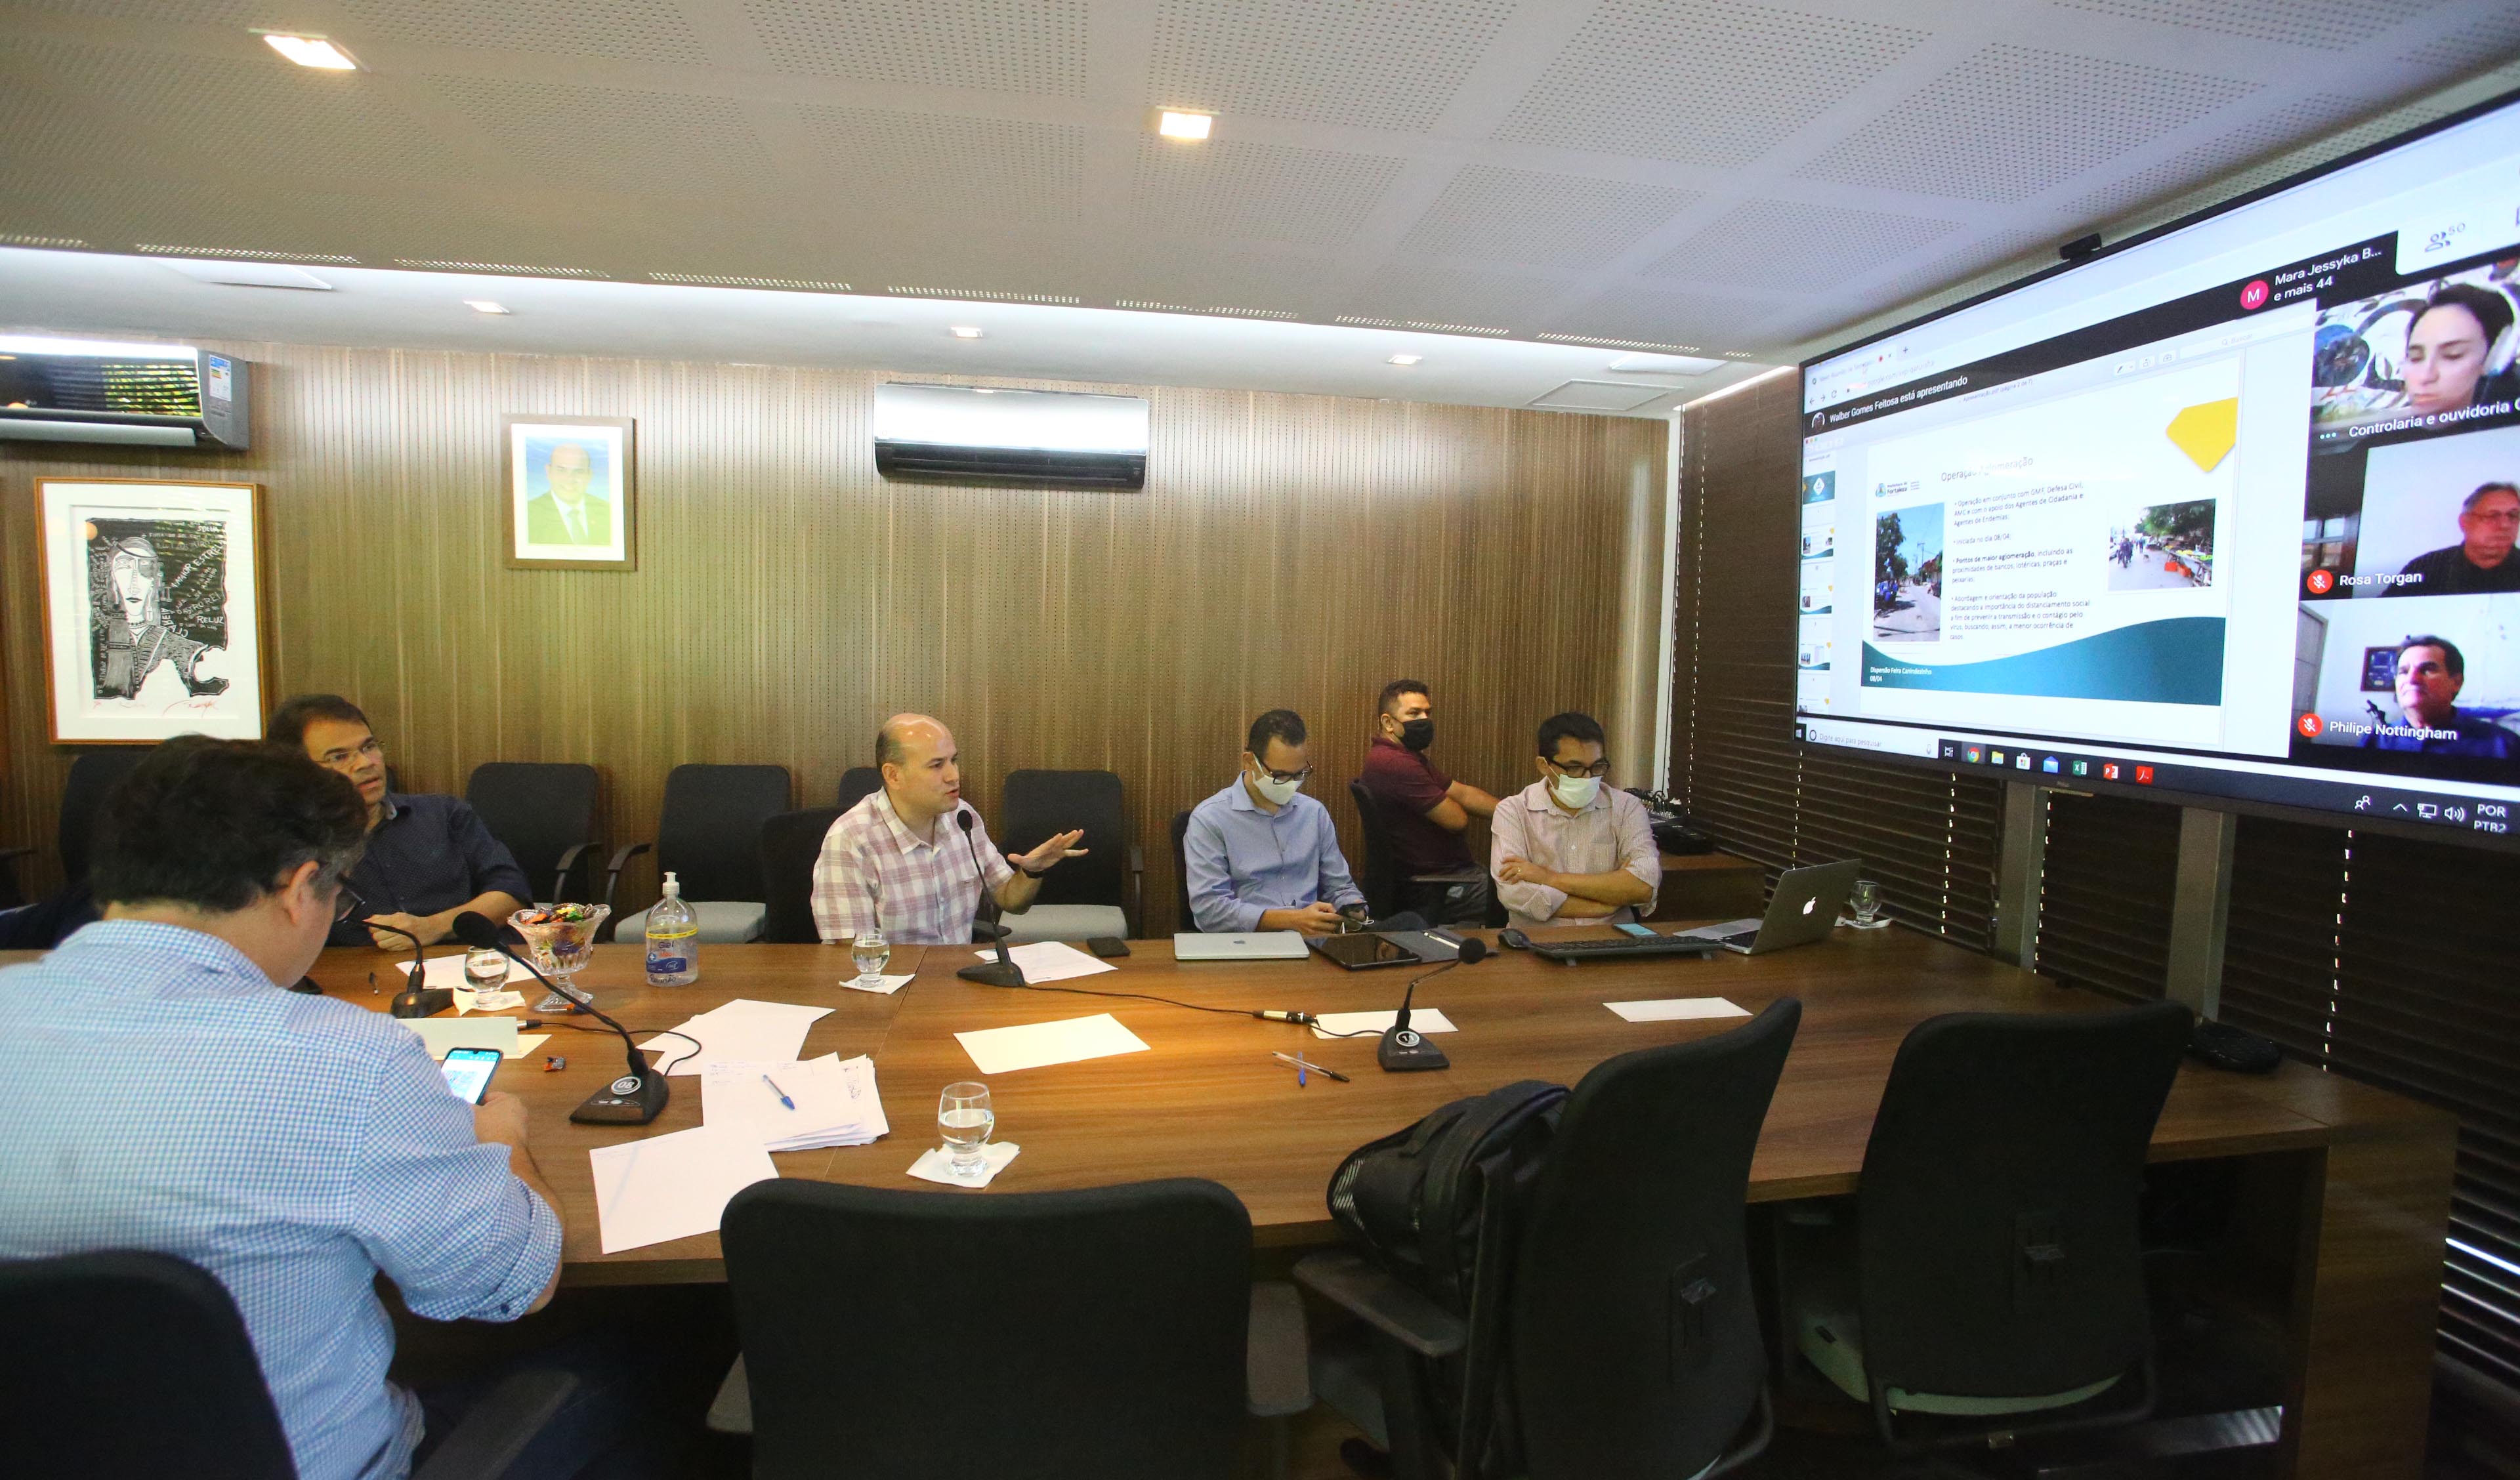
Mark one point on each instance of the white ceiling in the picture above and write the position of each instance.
(1738, 179)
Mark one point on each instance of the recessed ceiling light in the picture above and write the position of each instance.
(966, 331)
(484, 305)
(312, 50)
(1185, 125)
(1407, 359)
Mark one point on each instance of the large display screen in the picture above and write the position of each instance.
(2228, 512)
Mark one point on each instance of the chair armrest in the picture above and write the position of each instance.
(568, 863)
(1278, 1377)
(1451, 876)
(1137, 908)
(497, 1428)
(1383, 1303)
(613, 882)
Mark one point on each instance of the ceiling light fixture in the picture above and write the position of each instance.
(964, 330)
(1180, 125)
(1407, 359)
(484, 305)
(312, 50)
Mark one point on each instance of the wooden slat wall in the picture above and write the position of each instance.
(1288, 549)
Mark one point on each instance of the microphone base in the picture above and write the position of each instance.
(994, 973)
(1404, 1050)
(423, 1001)
(633, 1099)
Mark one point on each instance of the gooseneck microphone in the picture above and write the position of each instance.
(415, 1000)
(1002, 972)
(634, 1099)
(1403, 1047)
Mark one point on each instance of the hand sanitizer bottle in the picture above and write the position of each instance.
(673, 940)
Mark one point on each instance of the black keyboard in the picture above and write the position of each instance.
(1620, 948)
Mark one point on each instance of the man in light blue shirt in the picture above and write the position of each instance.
(1263, 856)
(160, 1093)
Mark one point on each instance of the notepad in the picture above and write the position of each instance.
(1672, 1009)
(1048, 960)
(835, 1101)
(672, 1187)
(1358, 1024)
(742, 1029)
(440, 1033)
(1037, 1045)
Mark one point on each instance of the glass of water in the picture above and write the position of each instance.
(486, 970)
(871, 951)
(965, 1119)
(1865, 901)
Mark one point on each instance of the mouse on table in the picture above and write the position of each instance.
(1514, 938)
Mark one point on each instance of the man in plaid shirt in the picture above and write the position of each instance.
(899, 861)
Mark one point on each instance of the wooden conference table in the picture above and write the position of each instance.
(2343, 1190)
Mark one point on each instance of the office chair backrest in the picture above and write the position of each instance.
(540, 809)
(789, 843)
(1999, 1253)
(131, 1363)
(1187, 923)
(857, 783)
(710, 831)
(1632, 1329)
(1041, 803)
(91, 777)
(1091, 1333)
(1378, 877)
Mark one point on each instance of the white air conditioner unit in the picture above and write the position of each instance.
(144, 395)
(983, 434)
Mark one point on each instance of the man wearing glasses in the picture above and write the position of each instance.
(1568, 850)
(429, 858)
(1260, 854)
(2481, 562)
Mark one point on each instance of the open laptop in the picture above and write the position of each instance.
(1259, 945)
(1803, 910)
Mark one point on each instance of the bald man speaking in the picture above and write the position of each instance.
(897, 860)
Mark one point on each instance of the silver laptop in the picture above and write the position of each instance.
(1803, 910)
(1259, 945)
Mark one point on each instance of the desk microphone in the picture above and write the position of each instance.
(416, 1000)
(1002, 972)
(634, 1099)
(1403, 1048)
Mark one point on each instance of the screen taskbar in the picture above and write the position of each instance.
(2079, 765)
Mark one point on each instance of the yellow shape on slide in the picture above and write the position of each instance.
(2207, 430)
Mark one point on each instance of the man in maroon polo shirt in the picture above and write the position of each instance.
(1424, 810)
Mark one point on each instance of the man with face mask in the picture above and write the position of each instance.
(1568, 850)
(1260, 854)
(1426, 810)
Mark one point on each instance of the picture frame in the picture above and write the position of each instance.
(597, 529)
(151, 592)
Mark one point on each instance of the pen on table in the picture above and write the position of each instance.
(1303, 1064)
(775, 1090)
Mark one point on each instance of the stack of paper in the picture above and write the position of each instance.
(837, 1103)
(672, 1187)
(742, 1030)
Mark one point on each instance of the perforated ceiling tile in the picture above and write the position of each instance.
(632, 31)
(2289, 126)
(1635, 311)
(1542, 220)
(2337, 25)
(1202, 278)
(1712, 83)
(2477, 44)
(610, 138)
(1020, 46)
(278, 13)
(1403, 292)
(2011, 121)
(1364, 64)
(1927, 286)
(979, 168)
(1229, 190)
(1784, 244)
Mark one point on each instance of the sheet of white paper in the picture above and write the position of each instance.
(1669, 1009)
(742, 1029)
(468, 1001)
(1424, 1019)
(860, 1072)
(891, 984)
(934, 1165)
(443, 1033)
(1003, 1050)
(831, 1104)
(448, 971)
(672, 1187)
(1048, 960)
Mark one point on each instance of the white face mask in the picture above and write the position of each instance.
(1277, 793)
(1575, 792)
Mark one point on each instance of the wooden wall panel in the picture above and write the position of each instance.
(1288, 549)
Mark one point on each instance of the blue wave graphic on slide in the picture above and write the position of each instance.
(2174, 661)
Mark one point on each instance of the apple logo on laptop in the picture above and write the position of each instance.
(1809, 904)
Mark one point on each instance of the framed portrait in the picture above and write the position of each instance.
(571, 493)
(153, 609)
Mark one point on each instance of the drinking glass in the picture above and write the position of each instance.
(965, 1119)
(871, 951)
(485, 969)
(1867, 902)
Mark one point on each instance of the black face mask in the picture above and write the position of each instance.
(1417, 734)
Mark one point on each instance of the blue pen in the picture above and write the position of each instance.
(775, 1090)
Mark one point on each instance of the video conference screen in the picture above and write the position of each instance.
(2225, 513)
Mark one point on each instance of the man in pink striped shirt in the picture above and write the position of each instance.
(898, 860)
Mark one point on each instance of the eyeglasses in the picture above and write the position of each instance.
(346, 904)
(1281, 777)
(1596, 770)
(336, 759)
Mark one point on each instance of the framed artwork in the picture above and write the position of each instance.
(571, 493)
(153, 609)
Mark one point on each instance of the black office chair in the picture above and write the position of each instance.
(13, 890)
(545, 812)
(1185, 922)
(857, 783)
(1103, 893)
(83, 792)
(125, 1365)
(1997, 1268)
(1102, 1332)
(789, 843)
(709, 837)
(1627, 1323)
(1379, 876)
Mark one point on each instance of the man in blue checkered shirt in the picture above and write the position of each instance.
(160, 1091)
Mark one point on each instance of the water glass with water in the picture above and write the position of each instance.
(965, 1119)
(1865, 901)
(871, 951)
(486, 970)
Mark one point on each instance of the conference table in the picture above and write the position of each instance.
(2343, 1190)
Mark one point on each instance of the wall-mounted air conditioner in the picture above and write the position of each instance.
(982, 435)
(145, 396)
